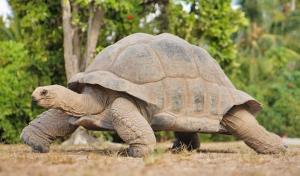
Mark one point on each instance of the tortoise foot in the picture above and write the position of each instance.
(139, 151)
(186, 141)
(36, 142)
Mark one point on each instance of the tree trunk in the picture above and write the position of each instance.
(74, 60)
(71, 60)
(293, 5)
(94, 25)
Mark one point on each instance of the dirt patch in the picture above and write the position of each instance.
(213, 159)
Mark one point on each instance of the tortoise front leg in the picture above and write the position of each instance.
(132, 127)
(186, 140)
(242, 124)
(47, 127)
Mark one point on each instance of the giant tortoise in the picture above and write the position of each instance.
(145, 83)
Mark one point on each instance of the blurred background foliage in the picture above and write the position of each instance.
(255, 41)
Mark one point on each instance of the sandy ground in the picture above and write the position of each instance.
(213, 159)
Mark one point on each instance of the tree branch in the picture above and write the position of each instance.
(71, 60)
(76, 37)
(94, 25)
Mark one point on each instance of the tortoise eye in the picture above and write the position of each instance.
(44, 92)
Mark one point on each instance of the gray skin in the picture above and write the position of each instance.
(128, 120)
(146, 83)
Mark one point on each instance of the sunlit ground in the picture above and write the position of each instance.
(232, 158)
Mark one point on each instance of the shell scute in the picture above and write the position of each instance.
(174, 57)
(137, 64)
(196, 94)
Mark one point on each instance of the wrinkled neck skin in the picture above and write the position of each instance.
(92, 100)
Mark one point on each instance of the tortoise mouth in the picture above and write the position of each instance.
(38, 101)
(34, 99)
(46, 102)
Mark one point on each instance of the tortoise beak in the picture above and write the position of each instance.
(34, 99)
(36, 94)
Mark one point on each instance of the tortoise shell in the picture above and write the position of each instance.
(166, 71)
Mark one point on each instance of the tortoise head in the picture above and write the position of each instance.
(48, 96)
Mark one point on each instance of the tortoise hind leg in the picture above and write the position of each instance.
(186, 140)
(132, 127)
(243, 125)
(47, 127)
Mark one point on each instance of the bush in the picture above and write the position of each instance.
(15, 90)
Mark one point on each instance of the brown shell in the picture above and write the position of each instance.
(168, 72)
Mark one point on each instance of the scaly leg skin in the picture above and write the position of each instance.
(243, 125)
(47, 127)
(186, 140)
(132, 127)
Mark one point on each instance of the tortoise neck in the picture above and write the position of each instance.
(91, 101)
